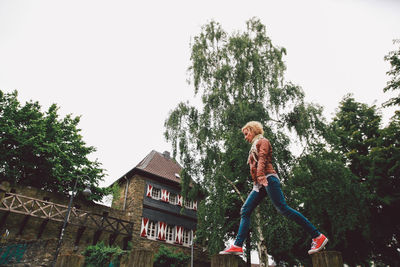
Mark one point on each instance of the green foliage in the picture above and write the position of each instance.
(43, 150)
(167, 257)
(393, 58)
(372, 153)
(353, 132)
(333, 198)
(116, 193)
(346, 181)
(239, 77)
(100, 255)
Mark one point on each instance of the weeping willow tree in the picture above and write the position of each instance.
(239, 77)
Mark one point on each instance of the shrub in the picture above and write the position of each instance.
(166, 257)
(100, 255)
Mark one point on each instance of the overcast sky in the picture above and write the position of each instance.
(122, 65)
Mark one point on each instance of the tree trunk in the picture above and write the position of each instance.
(261, 245)
(248, 250)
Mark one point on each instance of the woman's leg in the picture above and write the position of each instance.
(249, 205)
(275, 194)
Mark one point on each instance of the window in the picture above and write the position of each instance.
(173, 199)
(152, 230)
(187, 237)
(156, 193)
(170, 234)
(188, 204)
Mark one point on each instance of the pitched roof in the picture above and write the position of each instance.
(161, 165)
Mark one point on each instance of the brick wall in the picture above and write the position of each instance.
(133, 204)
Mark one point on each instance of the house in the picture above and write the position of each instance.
(150, 194)
(147, 211)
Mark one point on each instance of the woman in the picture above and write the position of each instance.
(266, 182)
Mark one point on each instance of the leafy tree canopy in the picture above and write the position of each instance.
(239, 78)
(370, 194)
(331, 197)
(41, 149)
(393, 58)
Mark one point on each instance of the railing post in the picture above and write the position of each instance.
(327, 259)
(139, 258)
(224, 261)
(68, 260)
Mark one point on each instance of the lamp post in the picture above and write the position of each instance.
(191, 254)
(191, 251)
(85, 192)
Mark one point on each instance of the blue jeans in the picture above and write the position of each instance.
(278, 200)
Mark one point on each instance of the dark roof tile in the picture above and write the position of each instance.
(161, 165)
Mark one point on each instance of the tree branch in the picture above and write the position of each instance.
(234, 187)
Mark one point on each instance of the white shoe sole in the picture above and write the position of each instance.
(319, 249)
(230, 253)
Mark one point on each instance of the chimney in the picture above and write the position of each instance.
(166, 155)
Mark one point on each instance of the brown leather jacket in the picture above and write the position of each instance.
(261, 164)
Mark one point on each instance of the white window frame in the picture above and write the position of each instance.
(175, 197)
(170, 233)
(156, 193)
(188, 204)
(186, 237)
(152, 230)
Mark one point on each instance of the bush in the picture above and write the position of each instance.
(101, 255)
(166, 257)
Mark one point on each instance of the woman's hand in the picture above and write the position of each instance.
(262, 180)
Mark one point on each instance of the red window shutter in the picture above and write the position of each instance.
(161, 230)
(145, 224)
(179, 232)
(149, 190)
(164, 195)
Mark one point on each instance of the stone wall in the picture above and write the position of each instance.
(41, 233)
(37, 238)
(31, 253)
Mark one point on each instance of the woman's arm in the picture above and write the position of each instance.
(263, 148)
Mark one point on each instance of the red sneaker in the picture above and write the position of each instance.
(318, 244)
(232, 250)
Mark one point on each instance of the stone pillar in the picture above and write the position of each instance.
(327, 259)
(224, 261)
(4, 188)
(139, 258)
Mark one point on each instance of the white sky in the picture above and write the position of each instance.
(122, 64)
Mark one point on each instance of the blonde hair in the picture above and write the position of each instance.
(255, 127)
